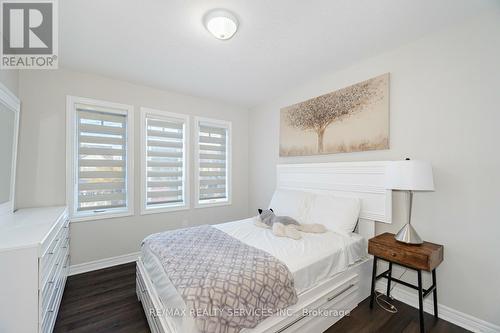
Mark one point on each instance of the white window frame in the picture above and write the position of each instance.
(72, 158)
(186, 150)
(224, 124)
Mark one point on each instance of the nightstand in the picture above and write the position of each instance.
(424, 257)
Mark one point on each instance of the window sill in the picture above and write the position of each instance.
(216, 204)
(145, 211)
(77, 219)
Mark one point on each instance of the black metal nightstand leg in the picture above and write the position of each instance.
(434, 293)
(389, 275)
(374, 279)
(421, 301)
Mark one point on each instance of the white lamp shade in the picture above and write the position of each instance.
(411, 175)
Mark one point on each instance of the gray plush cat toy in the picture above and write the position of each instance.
(285, 226)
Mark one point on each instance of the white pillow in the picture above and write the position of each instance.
(291, 203)
(338, 214)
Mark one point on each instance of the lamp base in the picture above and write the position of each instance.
(408, 235)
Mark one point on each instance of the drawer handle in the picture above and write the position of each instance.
(66, 243)
(53, 309)
(55, 246)
(394, 254)
(51, 282)
(67, 261)
(331, 298)
(305, 315)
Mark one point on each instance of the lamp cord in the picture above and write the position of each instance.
(386, 304)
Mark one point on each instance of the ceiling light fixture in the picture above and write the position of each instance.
(221, 23)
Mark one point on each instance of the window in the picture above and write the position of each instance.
(212, 162)
(164, 163)
(100, 155)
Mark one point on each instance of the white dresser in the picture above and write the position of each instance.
(34, 264)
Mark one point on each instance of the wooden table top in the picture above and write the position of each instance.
(426, 256)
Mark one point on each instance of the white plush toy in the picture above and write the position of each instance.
(285, 226)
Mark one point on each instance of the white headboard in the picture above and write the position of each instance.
(363, 180)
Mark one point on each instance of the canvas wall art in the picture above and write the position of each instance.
(355, 118)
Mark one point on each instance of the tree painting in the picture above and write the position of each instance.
(319, 114)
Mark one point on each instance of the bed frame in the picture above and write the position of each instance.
(322, 306)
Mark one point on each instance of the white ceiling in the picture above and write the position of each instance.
(280, 43)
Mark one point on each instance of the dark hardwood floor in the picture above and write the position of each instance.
(102, 301)
(364, 320)
(105, 301)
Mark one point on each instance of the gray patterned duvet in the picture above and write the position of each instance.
(226, 284)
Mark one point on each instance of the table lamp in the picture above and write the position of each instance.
(409, 176)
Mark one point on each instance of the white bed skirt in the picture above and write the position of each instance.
(317, 309)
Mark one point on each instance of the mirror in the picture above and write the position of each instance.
(9, 122)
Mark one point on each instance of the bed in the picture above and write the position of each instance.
(331, 271)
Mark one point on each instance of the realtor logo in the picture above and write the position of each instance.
(29, 31)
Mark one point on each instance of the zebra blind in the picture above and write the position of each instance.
(165, 162)
(102, 160)
(212, 163)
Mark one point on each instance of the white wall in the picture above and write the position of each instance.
(42, 157)
(445, 108)
(10, 79)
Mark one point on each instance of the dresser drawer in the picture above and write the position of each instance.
(49, 260)
(50, 314)
(54, 266)
(52, 295)
(62, 222)
(60, 271)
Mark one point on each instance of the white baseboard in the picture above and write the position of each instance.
(456, 317)
(103, 263)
